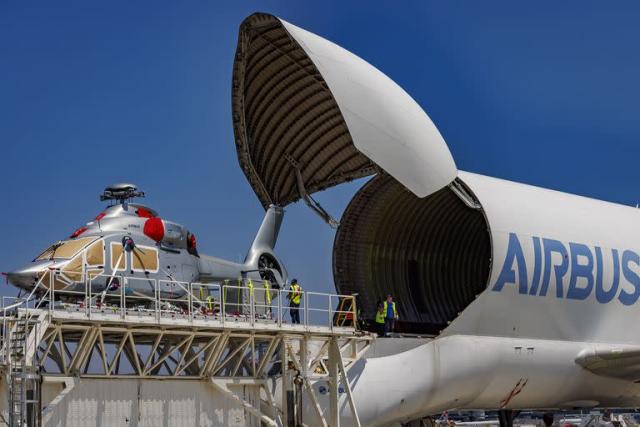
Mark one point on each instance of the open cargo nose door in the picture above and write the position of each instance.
(309, 115)
(302, 103)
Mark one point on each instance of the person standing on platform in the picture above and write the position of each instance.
(391, 315)
(294, 301)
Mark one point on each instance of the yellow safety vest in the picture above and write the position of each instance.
(380, 316)
(296, 293)
(395, 312)
(208, 298)
(267, 292)
(224, 293)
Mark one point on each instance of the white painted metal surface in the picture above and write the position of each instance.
(529, 212)
(385, 123)
(470, 372)
(131, 402)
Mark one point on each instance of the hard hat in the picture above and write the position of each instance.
(294, 281)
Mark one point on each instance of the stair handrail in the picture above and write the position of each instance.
(29, 314)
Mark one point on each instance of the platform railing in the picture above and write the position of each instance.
(11, 305)
(243, 301)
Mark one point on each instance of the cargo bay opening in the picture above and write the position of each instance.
(432, 254)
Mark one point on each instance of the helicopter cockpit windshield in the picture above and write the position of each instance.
(85, 256)
(65, 249)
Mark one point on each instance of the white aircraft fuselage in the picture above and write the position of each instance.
(555, 328)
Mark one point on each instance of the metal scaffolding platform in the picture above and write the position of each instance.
(250, 346)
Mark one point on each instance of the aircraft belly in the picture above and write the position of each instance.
(473, 372)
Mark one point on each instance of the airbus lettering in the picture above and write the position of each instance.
(579, 271)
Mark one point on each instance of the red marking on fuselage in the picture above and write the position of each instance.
(144, 213)
(514, 392)
(154, 229)
(78, 232)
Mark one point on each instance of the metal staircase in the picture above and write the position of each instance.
(24, 374)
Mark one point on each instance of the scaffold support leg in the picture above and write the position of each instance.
(347, 386)
(334, 380)
(309, 388)
(285, 381)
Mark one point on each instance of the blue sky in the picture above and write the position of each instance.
(91, 93)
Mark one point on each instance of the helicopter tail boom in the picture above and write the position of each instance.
(267, 235)
(261, 256)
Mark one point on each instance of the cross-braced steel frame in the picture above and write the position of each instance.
(273, 359)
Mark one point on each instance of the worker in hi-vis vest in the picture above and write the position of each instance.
(295, 293)
(391, 315)
(267, 297)
(252, 298)
(380, 315)
(267, 292)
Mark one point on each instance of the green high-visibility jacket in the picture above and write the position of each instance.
(380, 316)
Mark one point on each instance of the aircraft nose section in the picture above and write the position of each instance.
(24, 278)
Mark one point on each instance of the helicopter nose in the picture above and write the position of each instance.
(23, 278)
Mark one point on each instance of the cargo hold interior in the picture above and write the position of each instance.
(432, 254)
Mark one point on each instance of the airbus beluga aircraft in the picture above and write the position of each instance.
(130, 239)
(531, 294)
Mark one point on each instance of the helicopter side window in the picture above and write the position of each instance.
(73, 270)
(48, 280)
(144, 258)
(65, 249)
(95, 259)
(95, 254)
(118, 258)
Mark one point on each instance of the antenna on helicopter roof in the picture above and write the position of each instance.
(121, 192)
